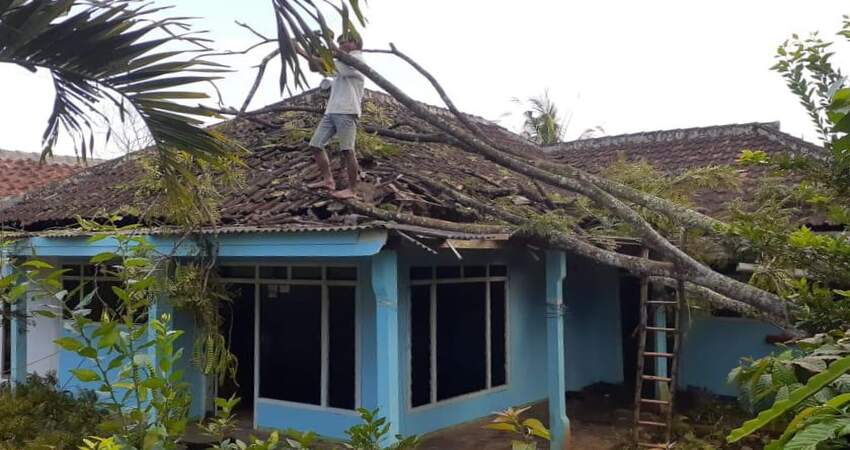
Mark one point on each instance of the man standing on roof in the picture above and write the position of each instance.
(340, 119)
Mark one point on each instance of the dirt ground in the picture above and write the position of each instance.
(599, 420)
(595, 424)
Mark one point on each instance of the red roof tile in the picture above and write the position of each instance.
(21, 171)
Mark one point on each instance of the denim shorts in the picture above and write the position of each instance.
(343, 126)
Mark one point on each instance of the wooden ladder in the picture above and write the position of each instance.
(660, 424)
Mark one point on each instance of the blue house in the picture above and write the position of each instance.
(335, 310)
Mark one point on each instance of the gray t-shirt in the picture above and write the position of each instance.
(346, 89)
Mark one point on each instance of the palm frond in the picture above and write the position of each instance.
(102, 52)
(302, 25)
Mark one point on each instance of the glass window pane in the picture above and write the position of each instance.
(306, 273)
(420, 351)
(448, 271)
(498, 334)
(273, 272)
(421, 273)
(498, 271)
(342, 273)
(72, 299)
(474, 271)
(291, 343)
(341, 351)
(461, 339)
(236, 271)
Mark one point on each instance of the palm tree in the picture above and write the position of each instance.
(543, 123)
(101, 52)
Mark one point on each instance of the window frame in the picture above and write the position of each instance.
(83, 279)
(257, 282)
(433, 282)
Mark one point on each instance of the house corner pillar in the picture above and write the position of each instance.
(556, 272)
(385, 287)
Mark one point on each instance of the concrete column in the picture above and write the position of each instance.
(559, 424)
(385, 286)
(19, 341)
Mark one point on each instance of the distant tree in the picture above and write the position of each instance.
(543, 123)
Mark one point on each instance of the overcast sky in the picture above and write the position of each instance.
(627, 66)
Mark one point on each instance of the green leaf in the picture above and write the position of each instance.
(87, 352)
(101, 258)
(36, 264)
(812, 387)
(153, 383)
(502, 427)
(69, 343)
(810, 436)
(537, 428)
(86, 375)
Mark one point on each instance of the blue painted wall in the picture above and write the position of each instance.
(715, 345)
(594, 350)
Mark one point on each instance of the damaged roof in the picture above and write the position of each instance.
(673, 151)
(279, 165)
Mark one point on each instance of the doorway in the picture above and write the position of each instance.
(238, 330)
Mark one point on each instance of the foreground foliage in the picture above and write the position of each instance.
(39, 415)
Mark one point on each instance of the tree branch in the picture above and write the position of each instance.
(698, 272)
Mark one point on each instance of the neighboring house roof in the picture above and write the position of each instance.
(23, 171)
(673, 151)
(279, 166)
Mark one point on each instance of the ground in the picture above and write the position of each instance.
(600, 419)
(593, 427)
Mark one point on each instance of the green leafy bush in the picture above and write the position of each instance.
(39, 416)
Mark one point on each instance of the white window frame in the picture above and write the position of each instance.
(257, 282)
(94, 279)
(433, 282)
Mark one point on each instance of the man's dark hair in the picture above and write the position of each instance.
(349, 37)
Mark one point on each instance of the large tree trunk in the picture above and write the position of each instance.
(690, 269)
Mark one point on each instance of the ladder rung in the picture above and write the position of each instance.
(654, 401)
(661, 302)
(656, 378)
(659, 354)
(660, 329)
(652, 424)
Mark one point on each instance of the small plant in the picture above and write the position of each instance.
(510, 420)
(219, 426)
(370, 434)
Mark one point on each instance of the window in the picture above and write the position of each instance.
(458, 331)
(307, 333)
(81, 279)
(6, 347)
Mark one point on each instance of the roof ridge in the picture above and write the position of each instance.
(18, 155)
(674, 134)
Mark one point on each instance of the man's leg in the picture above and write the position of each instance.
(346, 126)
(324, 132)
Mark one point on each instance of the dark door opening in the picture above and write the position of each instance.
(238, 329)
(629, 320)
